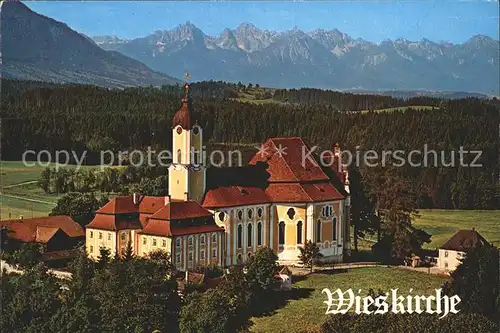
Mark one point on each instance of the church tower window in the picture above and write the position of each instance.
(179, 156)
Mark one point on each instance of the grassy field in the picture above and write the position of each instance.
(404, 108)
(305, 312)
(442, 224)
(20, 194)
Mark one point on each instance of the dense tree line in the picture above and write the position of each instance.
(110, 295)
(125, 180)
(348, 101)
(86, 118)
(131, 294)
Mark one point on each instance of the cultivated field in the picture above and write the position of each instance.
(442, 224)
(20, 194)
(305, 311)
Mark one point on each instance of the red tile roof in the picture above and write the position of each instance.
(113, 222)
(178, 210)
(165, 229)
(125, 205)
(293, 178)
(151, 216)
(229, 196)
(150, 205)
(119, 205)
(181, 231)
(322, 192)
(275, 192)
(464, 240)
(157, 228)
(41, 229)
(292, 164)
(44, 234)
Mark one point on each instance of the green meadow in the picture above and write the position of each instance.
(304, 310)
(442, 224)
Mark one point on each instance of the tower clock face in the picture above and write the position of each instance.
(179, 130)
(196, 130)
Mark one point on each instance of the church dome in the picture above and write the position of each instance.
(183, 116)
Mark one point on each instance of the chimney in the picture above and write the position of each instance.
(167, 199)
(135, 198)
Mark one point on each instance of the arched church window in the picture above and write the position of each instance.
(250, 213)
(259, 234)
(239, 259)
(249, 235)
(291, 213)
(240, 235)
(281, 233)
(240, 215)
(260, 212)
(179, 156)
(299, 232)
(327, 210)
(318, 231)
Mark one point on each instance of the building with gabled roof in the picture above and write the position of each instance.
(281, 199)
(454, 250)
(53, 232)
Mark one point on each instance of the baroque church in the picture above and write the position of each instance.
(279, 200)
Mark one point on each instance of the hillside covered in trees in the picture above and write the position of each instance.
(88, 118)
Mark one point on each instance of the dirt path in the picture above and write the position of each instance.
(27, 199)
(21, 184)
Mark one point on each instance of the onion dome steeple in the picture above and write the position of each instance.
(183, 116)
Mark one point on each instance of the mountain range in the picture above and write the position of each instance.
(38, 48)
(318, 59)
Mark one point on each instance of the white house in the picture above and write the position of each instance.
(453, 251)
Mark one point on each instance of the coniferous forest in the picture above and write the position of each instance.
(88, 118)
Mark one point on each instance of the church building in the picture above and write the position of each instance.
(280, 200)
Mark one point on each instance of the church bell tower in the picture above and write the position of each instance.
(186, 178)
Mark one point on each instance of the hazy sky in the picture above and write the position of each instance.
(454, 21)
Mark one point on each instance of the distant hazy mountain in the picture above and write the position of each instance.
(35, 47)
(320, 58)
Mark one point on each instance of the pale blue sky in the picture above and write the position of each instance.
(454, 21)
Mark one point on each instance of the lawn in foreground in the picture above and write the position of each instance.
(306, 313)
(443, 224)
